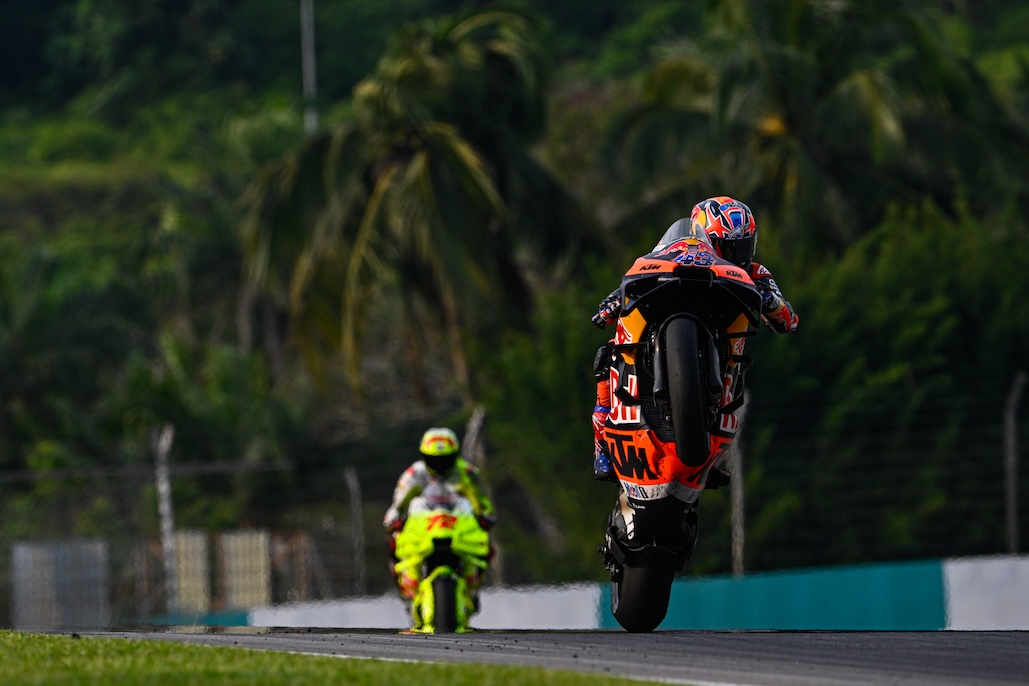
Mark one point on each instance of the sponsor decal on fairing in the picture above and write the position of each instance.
(620, 412)
(650, 492)
(622, 335)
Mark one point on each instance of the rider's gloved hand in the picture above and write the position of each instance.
(782, 319)
(610, 308)
(486, 521)
(776, 311)
(394, 525)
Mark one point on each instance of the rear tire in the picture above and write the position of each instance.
(444, 597)
(639, 601)
(686, 391)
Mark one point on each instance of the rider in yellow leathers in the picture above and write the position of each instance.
(440, 471)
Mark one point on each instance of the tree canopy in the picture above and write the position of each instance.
(429, 183)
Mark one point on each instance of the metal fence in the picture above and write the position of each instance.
(218, 577)
(873, 493)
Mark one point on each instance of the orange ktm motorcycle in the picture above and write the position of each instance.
(676, 373)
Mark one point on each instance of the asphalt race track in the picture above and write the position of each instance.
(684, 657)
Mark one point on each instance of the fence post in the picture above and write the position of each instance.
(356, 527)
(735, 467)
(162, 443)
(1011, 460)
(308, 68)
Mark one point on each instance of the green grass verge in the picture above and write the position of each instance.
(29, 658)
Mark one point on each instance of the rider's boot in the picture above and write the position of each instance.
(407, 585)
(603, 470)
(473, 582)
(690, 530)
(716, 478)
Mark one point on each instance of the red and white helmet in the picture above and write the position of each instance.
(730, 226)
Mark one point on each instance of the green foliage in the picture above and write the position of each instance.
(879, 420)
(122, 55)
(632, 44)
(882, 145)
(539, 400)
(115, 283)
(430, 185)
(75, 140)
(821, 114)
(70, 317)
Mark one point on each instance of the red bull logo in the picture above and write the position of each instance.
(620, 412)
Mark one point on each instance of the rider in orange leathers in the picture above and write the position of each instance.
(730, 225)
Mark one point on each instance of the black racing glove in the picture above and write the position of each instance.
(610, 308)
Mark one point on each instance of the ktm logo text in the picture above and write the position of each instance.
(629, 460)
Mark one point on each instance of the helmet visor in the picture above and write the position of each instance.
(440, 464)
(739, 251)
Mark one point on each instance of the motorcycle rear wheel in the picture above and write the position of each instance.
(639, 601)
(444, 597)
(686, 391)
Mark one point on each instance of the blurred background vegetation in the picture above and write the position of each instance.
(176, 248)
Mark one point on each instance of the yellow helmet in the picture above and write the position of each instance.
(439, 441)
(440, 447)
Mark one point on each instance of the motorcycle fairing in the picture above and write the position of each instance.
(649, 266)
(688, 252)
(673, 489)
(417, 540)
(647, 466)
(629, 331)
(689, 268)
(464, 545)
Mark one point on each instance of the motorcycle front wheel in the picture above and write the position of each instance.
(686, 391)
(444, 597)
(639, 600)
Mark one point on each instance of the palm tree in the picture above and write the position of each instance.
(429, 187)
(822, 112)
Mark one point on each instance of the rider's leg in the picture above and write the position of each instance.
(407, 584)
(602, 467)
(391, 546)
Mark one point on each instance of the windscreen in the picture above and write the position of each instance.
(679, 230)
